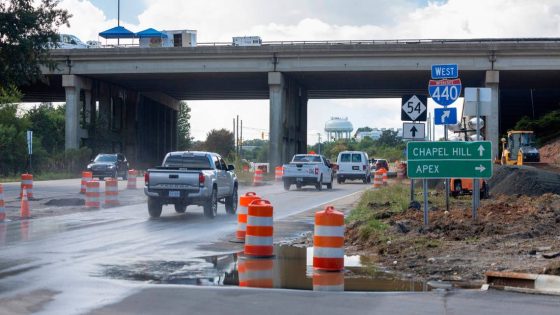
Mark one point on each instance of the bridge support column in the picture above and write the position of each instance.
(74, 85)
(288, 119)
(493, 121)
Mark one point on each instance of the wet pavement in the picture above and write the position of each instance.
(68, 255)
(289, 268)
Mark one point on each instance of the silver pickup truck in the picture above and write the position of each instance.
(191, 178)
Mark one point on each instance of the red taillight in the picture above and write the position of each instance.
(316, 171)
(146, 178)
(201, 179)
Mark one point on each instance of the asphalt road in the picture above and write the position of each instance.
(54, 265)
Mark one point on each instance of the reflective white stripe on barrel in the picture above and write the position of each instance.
(258, 240)
(260, 221)
(328, 252)
(325, 230)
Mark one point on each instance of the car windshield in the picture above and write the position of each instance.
(307, 158)
(188, 162)
(106, 158)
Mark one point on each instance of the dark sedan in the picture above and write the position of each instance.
(109, 165)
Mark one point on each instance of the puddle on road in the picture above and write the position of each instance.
(290, 268)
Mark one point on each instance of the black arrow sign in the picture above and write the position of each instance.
(413, 130)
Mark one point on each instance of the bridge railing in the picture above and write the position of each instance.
(369, 42)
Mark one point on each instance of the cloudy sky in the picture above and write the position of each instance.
(220, 20)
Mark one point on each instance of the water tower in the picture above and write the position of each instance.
(338, 128)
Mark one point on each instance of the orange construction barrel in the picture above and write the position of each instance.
(258, 177)
(244, 202)
(2, 206)
(93, 199)
(328, 240)
(27, 183)
(259, 237)
(86, 176)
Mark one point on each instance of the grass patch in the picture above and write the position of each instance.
(40, 177)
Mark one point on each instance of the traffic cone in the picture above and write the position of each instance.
(24, 213)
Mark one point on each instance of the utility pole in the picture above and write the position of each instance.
(237, 136)
(319, 140)
(241, 140)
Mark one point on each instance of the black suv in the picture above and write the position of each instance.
(109, 165)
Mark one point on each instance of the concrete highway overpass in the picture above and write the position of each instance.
(132, 93)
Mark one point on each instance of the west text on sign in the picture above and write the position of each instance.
(447, 71)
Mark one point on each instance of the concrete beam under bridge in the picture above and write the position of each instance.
(288, 119)
(493, 121)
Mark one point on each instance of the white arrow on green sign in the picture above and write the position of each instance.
(445, 159)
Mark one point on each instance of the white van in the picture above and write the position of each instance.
(353, 165)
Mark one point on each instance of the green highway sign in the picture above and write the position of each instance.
(445, 159)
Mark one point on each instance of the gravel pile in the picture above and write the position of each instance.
(523, 180)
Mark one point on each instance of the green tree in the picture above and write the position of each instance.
(27, 28)
(48, 124)
(13, 145)
(184, 127)
(220, 141)
(389, 138)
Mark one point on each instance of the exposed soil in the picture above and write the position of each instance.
(550, 153)
(523, 180)
(511, 234)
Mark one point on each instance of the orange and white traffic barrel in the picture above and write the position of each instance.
(278, 173)
(259, 236)
(385, 178)
(93, 194)
(328, 240)
(86, 176)
(377, 179)
(27, 183)
(258, 177)
(256, 272)
(111, 192)
(244, 202)
(328, 281)
(2, 205)
(131, 182)
(25, 213)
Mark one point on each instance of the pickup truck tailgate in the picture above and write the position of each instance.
(166, 179)
(300, 169)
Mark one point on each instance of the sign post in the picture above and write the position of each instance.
(30, 148)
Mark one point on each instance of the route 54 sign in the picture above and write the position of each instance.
(414, 108)
(445, 92)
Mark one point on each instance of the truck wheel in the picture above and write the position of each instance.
(329, 185)
(484, 193)
(180, 207)
(125, 175)
(286, 185)
(298, 186)
(154, 207)
(457, 189)
(211, 206)
(231, 202)
(115, 175)
(319, 184)
(339, 181)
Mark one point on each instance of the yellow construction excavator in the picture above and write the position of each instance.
(519, 148)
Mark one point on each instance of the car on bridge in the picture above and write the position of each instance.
(109, 165)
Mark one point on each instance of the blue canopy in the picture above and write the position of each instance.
(117, 32)
(149, 33)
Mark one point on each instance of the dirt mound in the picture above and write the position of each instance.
(550, 153)
(523, 180)
(510, 234)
